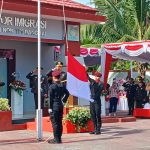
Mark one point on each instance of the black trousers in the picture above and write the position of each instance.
(56, 119)
(113, 104)
(95, 110)
(131, 105)
(139, 103)
(36, 101)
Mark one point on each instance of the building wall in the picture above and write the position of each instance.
(26, 61)
(26, 52)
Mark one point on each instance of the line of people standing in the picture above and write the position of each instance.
(136, 94)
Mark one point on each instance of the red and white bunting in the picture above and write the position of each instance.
(134, 49)
(94, 52)
(57, 49)
(84, 52)
(130, 48)
(112, 49)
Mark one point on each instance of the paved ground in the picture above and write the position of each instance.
(116, 136)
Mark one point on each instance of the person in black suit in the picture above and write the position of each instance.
(130, 89)
(33, 77)
(140, 95)
(96, 87)
(58, 96)
(58, 67)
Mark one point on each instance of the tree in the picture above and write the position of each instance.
(127, 20)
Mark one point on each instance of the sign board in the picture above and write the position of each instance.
(73, 32)
(26, 26)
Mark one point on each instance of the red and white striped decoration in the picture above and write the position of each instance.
(138, 50)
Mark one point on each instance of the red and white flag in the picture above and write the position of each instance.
(77, 80)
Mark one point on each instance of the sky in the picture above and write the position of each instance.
(86, 2)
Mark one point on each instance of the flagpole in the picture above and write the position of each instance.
(39, 111)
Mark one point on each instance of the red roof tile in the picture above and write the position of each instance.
(74, 10)
(68, 3)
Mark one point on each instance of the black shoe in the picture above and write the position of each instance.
(53, 141)
(93, 132)
(98, 132)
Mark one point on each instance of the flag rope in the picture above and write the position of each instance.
(65, 27)
(1, 10)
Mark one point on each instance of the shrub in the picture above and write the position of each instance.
(79, 116)
(4, 106)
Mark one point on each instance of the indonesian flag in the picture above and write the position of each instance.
(77, 80)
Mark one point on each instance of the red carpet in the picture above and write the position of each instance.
(69, 128)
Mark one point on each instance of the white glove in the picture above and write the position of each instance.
(50, 111)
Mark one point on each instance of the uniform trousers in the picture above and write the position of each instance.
(131, 105)
(95, 110)
(56, 119)
(113, 104)
(139, 103)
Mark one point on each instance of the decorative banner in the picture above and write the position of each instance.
(83, 52)
(130, 48)
(148, 48)
(134, 50)
(113, 49)
(57, 49)
(138, 50)
(94, 52)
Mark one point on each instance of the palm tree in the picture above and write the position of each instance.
(127, 20)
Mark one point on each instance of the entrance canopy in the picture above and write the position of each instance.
(138, 51)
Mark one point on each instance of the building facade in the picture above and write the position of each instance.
(18, 38)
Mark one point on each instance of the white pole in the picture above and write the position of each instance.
(39, 111)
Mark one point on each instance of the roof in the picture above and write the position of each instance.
(68, 3)
(74, 11)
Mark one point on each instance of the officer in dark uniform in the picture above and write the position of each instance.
(33, 77)
(58, 96)
(58, 67)
(130, 90)
(140, 95)
(96, 87)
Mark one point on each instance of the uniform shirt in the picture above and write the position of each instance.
(34, 83)
(58, 95)
(63, 76)
(96, 90)
(140, 93)
(130, 89)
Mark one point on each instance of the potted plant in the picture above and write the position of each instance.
(5, 113)
(17, 88)
(78, 120)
